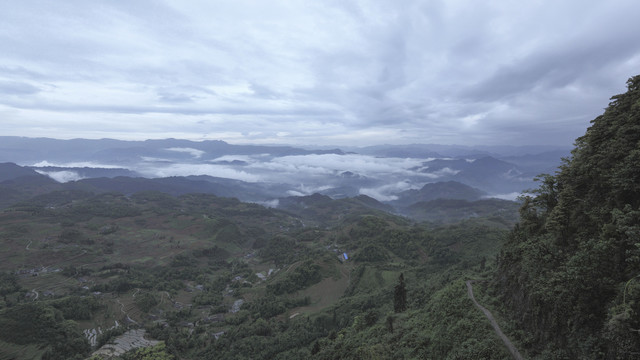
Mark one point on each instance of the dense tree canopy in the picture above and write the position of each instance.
(571, 266)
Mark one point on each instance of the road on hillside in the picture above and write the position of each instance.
(487, 313)
(125, 313)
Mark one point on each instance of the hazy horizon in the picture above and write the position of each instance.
(308, 146)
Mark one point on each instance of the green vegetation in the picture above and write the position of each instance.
(43, 324)
(569, 271)
(452, 210)
(216, 278)
(146, 301)
(301, 277)
(444, 327)
(400, 296)
(157, 352)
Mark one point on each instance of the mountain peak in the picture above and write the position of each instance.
(11, 171)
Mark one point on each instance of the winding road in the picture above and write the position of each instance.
(125, 313)
(162, 297)
(492, 320)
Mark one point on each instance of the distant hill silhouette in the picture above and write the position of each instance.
(11, 171)
(452, 210)
(323, 210)
(439, 190)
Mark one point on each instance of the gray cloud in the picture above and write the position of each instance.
(335, 72)
(556, 68)
(168, 97)
(17, 88)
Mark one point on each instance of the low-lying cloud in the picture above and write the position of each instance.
(80, 164)
(382, 178)
(510, 196)
(386, 192)
(316, 165)
(193, 152)
(176, 169)
(378, 177)
(62, 176)
(304, 190)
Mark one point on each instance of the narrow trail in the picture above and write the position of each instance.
(162, 297)
(121, 306)
(84, 252)
(492, 320)
(125, 313)
(168, 297)
(347, 273)
(292, 266)
(74, 257)
(29, 244)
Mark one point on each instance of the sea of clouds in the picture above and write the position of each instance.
(378, 177)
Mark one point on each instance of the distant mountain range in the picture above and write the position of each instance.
(439, 190)
(11, 171)
(389, 178)
(25, 150)
(451, 210)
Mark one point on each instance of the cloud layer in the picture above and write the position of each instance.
(330, 72)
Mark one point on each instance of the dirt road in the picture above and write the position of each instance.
(487, 313)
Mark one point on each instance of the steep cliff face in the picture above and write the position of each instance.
(570, 270)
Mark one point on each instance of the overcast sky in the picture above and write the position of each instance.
(319, 72)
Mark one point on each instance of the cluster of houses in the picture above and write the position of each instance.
(35, 271)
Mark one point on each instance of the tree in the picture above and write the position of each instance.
(156, 352)
(390, 323)
(146, 301)
(400, 296)
(8, 284)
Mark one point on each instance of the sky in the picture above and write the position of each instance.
(314, 72)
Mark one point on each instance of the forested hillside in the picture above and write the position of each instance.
(216, 278)
(570, 271)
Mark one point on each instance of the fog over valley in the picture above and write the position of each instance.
(384, 173)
